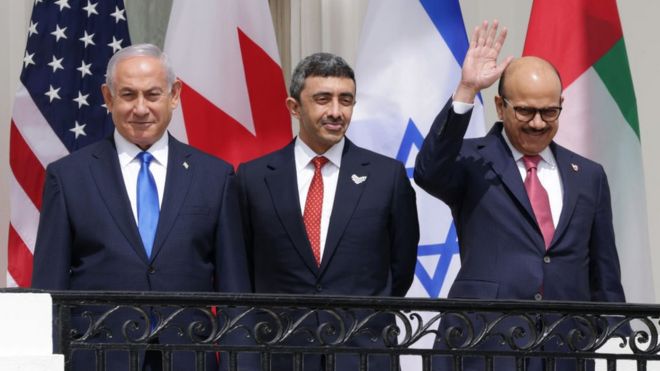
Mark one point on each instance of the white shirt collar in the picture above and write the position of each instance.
(127, 151)
(304, 154)
(546, 154)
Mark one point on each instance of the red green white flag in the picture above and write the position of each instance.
(584, 40)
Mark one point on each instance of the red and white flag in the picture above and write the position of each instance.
(232, 102)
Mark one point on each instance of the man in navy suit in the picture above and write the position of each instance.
(519, 240)
(357, 236)
(92, 233)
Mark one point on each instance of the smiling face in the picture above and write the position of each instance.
(324, 110)
(141, 103)
(530, 82)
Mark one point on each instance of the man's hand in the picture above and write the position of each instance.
(480, 68)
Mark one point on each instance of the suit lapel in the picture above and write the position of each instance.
(347, 196)
(110, 183)
(282, 184)
(177, 182)
(569, 175)
(497, 151)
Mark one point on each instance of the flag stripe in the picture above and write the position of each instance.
(36, 131)
(24, 216)
(10, 280)
(19, 264)
(25, 166)
(614, 70)
(551, 33)
(447, 18)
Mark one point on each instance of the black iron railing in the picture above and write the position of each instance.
(192, 331)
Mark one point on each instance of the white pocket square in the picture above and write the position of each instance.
(358, 179)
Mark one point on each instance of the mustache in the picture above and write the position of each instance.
(531, 130)
(332, 121)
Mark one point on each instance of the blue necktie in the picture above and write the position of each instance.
(147, 202)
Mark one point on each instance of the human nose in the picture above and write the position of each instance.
(334, 109)
(140, 107)
(537, 121)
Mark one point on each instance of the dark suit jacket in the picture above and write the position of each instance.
(371, 246)
(88, 238)
(503, 255)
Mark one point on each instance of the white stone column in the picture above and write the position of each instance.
(26, 333)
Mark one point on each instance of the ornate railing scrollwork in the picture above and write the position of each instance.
(396, 326)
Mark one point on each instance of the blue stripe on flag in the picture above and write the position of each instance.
(448, 19)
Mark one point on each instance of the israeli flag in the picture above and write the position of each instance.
(408, 65)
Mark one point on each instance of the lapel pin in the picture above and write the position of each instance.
(358, 179)
(575, 167)
(185, 165)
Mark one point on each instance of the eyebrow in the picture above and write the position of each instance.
(524, 106)
(322, 93)
(148, 90)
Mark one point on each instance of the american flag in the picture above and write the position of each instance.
(58, 107)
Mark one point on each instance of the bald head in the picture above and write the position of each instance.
(534, 68)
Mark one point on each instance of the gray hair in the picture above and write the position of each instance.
(318, 64)
(139, 50)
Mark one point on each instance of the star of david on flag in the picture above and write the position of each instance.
(408, 65)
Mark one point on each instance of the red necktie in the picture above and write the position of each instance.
(313, 207)
(539, 199)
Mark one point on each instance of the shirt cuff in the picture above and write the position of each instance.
(461, 107)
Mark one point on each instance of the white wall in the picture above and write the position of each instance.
(334, 26)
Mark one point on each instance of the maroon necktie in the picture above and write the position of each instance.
(313, 207)
(539, 199)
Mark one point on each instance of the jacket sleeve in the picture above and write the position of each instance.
(231, 263)
(246, 221)
(404, 233)
(437, 167)
(52, 251)
(233, 275)
(604, 269)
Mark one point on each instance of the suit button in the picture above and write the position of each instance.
(319, 288)
(546, 259)
(151, 270)
(538, 296)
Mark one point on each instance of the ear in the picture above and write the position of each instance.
(293, 106)
(499, 106)
(175, 93)
(107, 96)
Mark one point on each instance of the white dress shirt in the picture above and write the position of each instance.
(547, 170)
(130, 166)
(330, 172)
